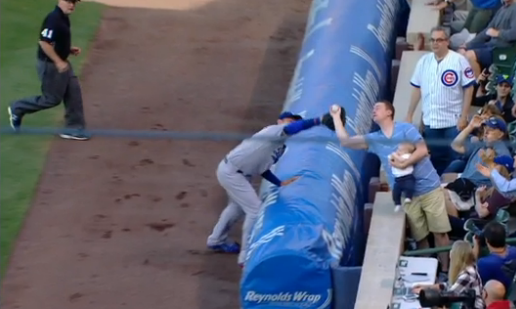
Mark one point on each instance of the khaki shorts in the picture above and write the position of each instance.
(427, 213)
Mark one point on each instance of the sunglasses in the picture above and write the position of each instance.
(492, 120)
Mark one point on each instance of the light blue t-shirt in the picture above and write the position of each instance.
(472, 152)
(427, 179)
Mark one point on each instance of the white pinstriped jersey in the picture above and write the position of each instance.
(442, 86)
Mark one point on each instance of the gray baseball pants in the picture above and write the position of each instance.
(55, 87)
(243, 200)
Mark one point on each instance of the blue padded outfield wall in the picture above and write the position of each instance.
(315, 223)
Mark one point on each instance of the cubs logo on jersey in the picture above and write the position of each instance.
(449, 78)
(468, 72)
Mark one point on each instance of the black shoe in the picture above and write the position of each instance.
(14, 120)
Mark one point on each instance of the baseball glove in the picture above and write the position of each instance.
(327, 119)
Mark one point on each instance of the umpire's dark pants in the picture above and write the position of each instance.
(55, 87)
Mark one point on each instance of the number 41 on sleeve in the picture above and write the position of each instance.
(46, 33)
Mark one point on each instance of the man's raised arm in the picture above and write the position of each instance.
(354, 142)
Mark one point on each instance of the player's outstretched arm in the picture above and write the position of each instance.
(270, 177)
(355, 142)
(301, 125)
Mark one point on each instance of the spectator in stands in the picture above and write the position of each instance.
(463, 274)
(486, 112)
(458, 165)
(466, 24)
(443, 81)
(502, 99)
(460, 192)
(503, 185)
(426, 212)
(485, 204)
(500, 263)
(488, 200)
(493, 294)
(501, 32)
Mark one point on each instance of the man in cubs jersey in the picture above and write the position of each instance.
(251, 158)
(443, 80)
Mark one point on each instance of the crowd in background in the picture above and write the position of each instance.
(465, 150)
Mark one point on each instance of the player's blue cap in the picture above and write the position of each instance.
(496, 123)
(289, 115)
(500, 79)
(505, 161)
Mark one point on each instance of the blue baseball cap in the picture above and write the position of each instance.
(496, 123)
(289, 115)
(500, 79)
(505, 161)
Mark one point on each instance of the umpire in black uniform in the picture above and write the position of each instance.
(58, 81)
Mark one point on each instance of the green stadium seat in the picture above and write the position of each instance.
(504, 59)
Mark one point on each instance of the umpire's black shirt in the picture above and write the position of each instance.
(55, 30)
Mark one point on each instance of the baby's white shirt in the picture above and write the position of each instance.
(402, 172)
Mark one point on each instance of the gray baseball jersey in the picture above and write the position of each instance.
(255, 156)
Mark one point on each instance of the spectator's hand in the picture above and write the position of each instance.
(408, 119)
(335, 111)
(492, 32)
(481, 189)
(441, 6)
(483, 76)
(484, 170)
(462, 49)
(476, 122)
(492, 102)
(462, 123)
(476, 241)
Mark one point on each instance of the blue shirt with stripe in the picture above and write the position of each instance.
(426, 177)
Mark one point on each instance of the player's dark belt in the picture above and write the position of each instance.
(227, 161)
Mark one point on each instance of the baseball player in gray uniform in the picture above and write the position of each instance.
(250, 158)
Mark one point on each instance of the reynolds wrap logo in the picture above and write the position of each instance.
(295, 299)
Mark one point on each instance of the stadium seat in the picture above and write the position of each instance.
(504, 59)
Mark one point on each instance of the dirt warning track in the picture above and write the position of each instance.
(122, 223)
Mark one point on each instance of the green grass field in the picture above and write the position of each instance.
(22, 157)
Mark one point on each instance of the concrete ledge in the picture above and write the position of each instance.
(384, 246)
(421, 20)
(403, 92)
